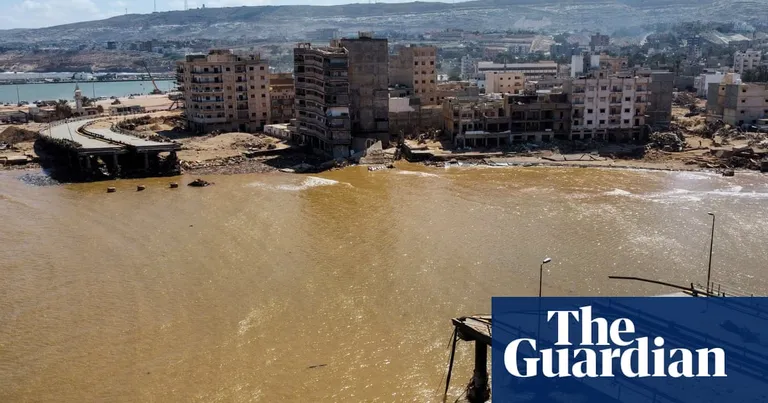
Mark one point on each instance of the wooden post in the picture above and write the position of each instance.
(478, 391)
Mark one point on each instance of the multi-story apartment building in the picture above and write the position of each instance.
(414, 67)
(468, 67)
(368, 89)
(225, 91)
(598, 43)
(747, 60)
(322, 98)
(504, 82)
(531, 70)
(737, 103)
(609, 108)
(342, 97)
(492, 120)
(282, 95)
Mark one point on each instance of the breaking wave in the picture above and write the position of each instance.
(308, 183)
(417, 173)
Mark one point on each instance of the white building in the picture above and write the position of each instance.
(608, 108)
(531, 70)
(468, 67)
(702, 82)
(749, 60)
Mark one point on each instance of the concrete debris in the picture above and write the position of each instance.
(668, 141)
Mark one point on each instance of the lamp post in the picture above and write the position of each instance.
(538, 314)
(711, 243)
(541, 272)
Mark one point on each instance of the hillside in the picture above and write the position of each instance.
(294, 22)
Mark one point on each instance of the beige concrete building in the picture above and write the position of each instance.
(747, 60)
(368, 89)
(504, 82)
(322, 98)
(737, 103)
(282, 95)
(414, 67)
(342, 95)
(225, 91)
(611, 108)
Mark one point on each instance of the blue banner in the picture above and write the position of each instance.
(638, 350)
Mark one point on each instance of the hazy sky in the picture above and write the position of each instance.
(43, 13)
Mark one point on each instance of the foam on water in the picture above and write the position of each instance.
(416, 173)
(618, 192)
(308, 183)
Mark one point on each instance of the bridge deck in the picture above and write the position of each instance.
(136, 142)
(68, 131)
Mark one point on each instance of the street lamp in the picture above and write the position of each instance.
(711, 243)
(541, 271)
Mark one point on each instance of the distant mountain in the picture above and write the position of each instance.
(294, 22)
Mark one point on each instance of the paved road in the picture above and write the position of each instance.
(130, 140)
(68, 131)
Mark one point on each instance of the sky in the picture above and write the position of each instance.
(44, 13)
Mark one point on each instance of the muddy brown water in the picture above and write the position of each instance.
(335, 287)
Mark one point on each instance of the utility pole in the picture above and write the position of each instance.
(154, 6)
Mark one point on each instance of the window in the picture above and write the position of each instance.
(589, 122)
(415, 63)
(263, 105)
(229, 88)
(253, 96)
(263, 87)
(743, 100)
(261, 68)
(590, 110)
(252, 77)
(744, 90)
(628, 88)
(575, 122)
(591, 88)
(231, 116)
(626, 121)
(253, 87)
(227, 69)
(627, 99)
(431, 62)
(250, 68)
(229, 97)
(603, 87)
(590, 99)
(423, 63)
(602, 122)
(262, 77)
(264, 114)
(423, 81)
(626, 110)
(742, 112)
(263, 95)
(431, 99)
(602, 99)
(602, 110)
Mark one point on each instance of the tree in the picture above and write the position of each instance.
(100, 109)
(62, 110)
(758, 75)
(87, 101)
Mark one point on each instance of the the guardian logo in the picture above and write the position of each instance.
(623, 354)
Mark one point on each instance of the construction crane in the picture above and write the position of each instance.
(157, 90)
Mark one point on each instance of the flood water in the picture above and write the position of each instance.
(334, 287)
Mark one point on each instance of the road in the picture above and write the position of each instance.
(68, 131)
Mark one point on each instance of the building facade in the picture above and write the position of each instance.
(225, 91)
(737, 103)
(531, 70)
(282, 95)
(414, 67)
(368, 80)
(747, 60)
(611, 108)
(504, 82)
(322, 98)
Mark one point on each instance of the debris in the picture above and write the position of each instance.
(199, 183)
(174, 185)
(140, 188)
(111, 189)
(728, 172)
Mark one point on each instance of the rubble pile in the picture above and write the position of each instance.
(668, 141)
(685, 99)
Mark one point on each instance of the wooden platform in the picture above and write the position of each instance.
(474, 328)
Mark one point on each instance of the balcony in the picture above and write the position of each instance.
(578, 90)
(217, 100)
(206, 72)
(198, 90)
(201, 119)
(206, 80)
